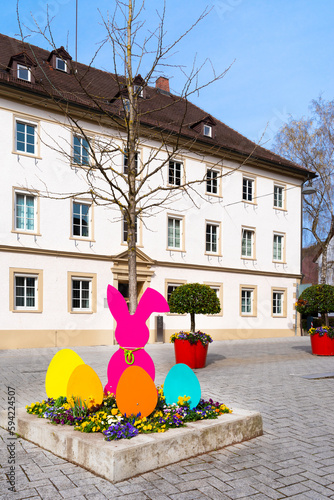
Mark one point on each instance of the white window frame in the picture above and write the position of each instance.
(276, 198)
(81, 280)
(245, 233)
(125, 229)
(25, 194)
(81, 203)
(175, 219)
(275, 247)
(83, 156)
(139, 90)
(210, 242)
(171, 285)
(173, 165)
(276, 303)
(25, 307)
(125, 161)
(23, 67)
(249, 297)
(248, 194)
(213, 182)
(207, 130)
(63, 62)
(26, 124)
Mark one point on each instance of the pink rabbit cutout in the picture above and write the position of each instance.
(131, 333)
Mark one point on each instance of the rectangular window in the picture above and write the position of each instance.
(25, 212)
(170, 288)
(125, 163)
(61, 64)
(278, 303)
(25, 292)
(212, 181)
(80, 151)
(23, 73)
(247, 243)
(138, 89)
(247, 301)
(125, 230)
(174, 173)
(80, 219)
(211, 238)
(278, 196)
(25, 138)
(207, 130)
(81, 294)
(174, 233)
(278, 247)
(247, 189)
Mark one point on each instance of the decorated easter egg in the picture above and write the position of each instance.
(60, 369)
(136, 392)
(84, 386)
(181, 381)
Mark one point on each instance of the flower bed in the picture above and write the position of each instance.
(107, 419)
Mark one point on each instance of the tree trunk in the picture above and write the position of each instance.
(131, 155)
(192, 322)
(323, 277)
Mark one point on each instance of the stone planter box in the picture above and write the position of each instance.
(120, 460)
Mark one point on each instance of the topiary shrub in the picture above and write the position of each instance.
(317, 299)
(194, 298)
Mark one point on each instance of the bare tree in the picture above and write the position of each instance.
(310, 143)
(140, 190)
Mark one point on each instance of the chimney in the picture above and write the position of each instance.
(162, 83)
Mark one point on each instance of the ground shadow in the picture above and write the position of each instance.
(305, 348)
(212, 358)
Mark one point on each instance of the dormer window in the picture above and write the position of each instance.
(23, 73)
(21, 66)
(138, 89)
(205, 126)
(61, 64)
(207, 130)
(60, 59)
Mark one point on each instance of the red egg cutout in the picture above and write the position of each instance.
(136, 392)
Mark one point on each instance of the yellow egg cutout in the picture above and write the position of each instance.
(136, 392)
(59, 371)
(85, 387)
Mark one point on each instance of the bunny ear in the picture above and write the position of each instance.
(151, 301)
(117, 304)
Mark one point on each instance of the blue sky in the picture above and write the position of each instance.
(282, 51)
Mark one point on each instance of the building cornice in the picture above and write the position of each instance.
(155, 263)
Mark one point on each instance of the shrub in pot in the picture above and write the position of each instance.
(193, 298)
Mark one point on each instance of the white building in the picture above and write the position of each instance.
(58, 256)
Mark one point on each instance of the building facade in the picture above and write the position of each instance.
(238, 232)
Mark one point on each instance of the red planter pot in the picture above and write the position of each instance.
(193, 355)
(322, 346)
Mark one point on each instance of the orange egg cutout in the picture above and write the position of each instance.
(84, 385)
(59, 372)
(136, 392)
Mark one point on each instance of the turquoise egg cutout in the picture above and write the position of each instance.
(182, 381)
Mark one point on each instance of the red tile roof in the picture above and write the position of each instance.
(161, 110)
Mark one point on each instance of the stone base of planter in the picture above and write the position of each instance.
(119, 460)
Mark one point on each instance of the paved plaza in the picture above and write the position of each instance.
(293, 390)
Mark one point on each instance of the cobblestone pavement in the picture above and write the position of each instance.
(293, 459)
